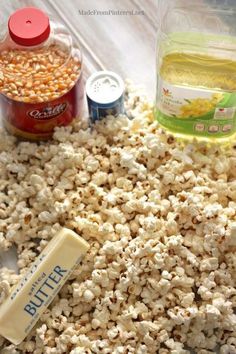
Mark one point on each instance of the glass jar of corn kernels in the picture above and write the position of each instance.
(40, 75)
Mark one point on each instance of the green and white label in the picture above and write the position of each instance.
(194, 111)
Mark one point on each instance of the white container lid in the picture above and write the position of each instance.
(104, 87)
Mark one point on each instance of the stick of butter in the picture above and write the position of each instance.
(28, 299)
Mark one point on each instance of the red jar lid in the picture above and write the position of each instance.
(29, 26)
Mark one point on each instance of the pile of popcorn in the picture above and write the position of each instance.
(160, 217)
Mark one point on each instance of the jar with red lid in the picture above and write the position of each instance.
(41, 83)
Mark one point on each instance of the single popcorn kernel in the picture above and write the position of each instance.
(88, 295)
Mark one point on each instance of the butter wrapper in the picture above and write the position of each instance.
(38, 287)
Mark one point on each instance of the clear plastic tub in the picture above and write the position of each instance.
(40, 75)
(196, 68)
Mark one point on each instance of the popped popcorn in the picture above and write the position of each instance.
(160, 217)
(4, 290)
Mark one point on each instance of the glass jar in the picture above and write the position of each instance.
(40, 75)
(196, 68)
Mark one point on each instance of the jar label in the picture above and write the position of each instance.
(196, 111)
(36, 121)
(48, 112)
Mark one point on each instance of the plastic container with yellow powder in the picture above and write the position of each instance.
(196, 68)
